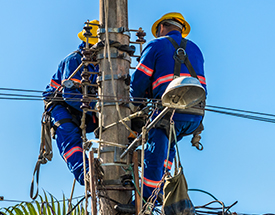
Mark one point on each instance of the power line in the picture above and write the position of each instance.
(239, 110)
(263, 119)
(24, 90)
(212, 108)
(19, 201)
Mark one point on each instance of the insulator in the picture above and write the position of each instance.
(85, 102)
(140, 34)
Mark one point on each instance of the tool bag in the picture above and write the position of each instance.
(176, 200)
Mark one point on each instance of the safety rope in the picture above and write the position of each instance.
(170, 140)
(71, 196)
(149, 206)
(151, 201)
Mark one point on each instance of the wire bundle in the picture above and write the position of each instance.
(33, 95)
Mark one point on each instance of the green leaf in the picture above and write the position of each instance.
(9, 211)
(31, 208)
(47, 204)
(42, 207)
(18, 211)
(38, 206)
(1, 210)
(58, 208)
(64, 204)
(52, 202)
(22, 205)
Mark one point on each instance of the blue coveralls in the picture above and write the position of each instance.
(155, 70)
(68, 135)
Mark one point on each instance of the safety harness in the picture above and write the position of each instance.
(45, 152)
(180, 56)
(47, 134)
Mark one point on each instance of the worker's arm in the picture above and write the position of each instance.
(141, 78)
(73, 95)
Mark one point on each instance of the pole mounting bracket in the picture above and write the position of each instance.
(121, 30)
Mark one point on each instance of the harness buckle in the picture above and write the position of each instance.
(180, 55)
(180, 50)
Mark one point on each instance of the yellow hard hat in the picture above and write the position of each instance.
(92, 41)
(175, 16)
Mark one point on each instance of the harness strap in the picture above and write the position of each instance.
(45, 152)
(181, 57)
(58, 123)
(36, 171)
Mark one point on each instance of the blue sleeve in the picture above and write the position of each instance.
(197, 62)
(141, 78)
(73, 95)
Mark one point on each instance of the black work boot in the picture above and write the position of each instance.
(125, 208)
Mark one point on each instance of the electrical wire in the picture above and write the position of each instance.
(264, 119)
(245, 111)
(20, 201)
(253, 115)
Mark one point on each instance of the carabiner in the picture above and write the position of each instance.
(182, 50)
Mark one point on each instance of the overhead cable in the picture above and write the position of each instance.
(264, 117)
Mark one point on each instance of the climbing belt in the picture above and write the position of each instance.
(45, 152)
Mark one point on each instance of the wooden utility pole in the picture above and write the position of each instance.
(114, 15)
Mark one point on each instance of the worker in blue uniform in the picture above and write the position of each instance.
(153, 73)
(65, 108)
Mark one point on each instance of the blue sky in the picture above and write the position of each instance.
(237, 40)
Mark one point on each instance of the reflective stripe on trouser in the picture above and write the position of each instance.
(156, 154)
(69, 142)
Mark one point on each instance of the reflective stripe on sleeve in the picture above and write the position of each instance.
(76, 80)
(72, 79)
(150, 183)
(54, 84)
(201, 78)
(169, 78)
(71, 152)
(169, 164)
(162, 79)
(146, 70)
